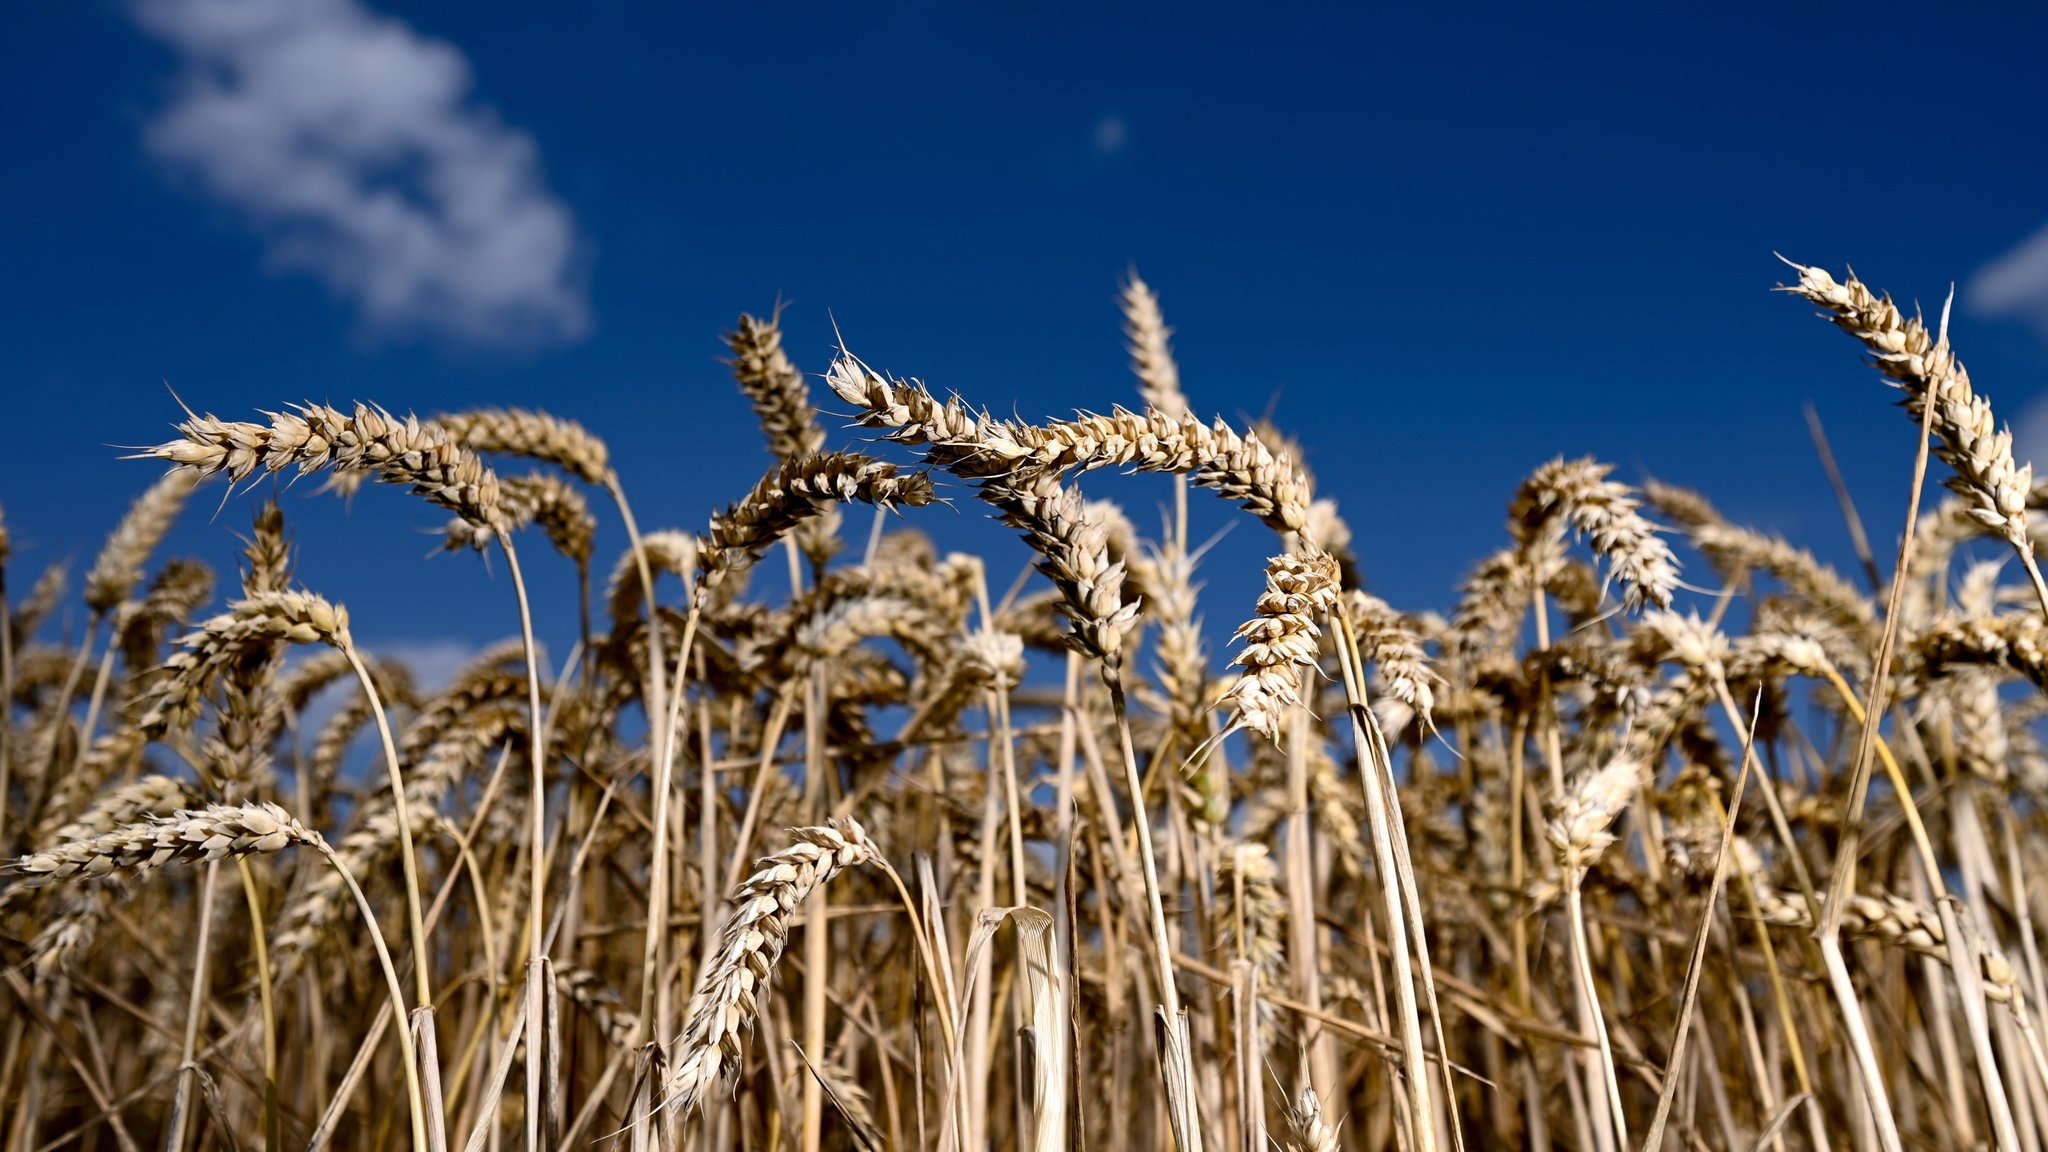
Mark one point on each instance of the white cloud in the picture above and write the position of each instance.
(1111, 135)
(2015, 284)
(351, 142)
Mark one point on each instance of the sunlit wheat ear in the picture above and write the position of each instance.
(1406, 678)
(795, 492)
(975, 446)
(781, 399)
(294, 617)
(1148, 340)
(536, 498)
(195, 836)
(1578, 829)
(530, 435)
(1280, 642)
(1920, 363)
(127, 804)
(1075, 555)
(1576, 495)
(314, 438)
(729, 994)
(2017, 642)
(118, 568)
(1900, 923)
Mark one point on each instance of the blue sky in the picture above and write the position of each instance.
(1443, 245)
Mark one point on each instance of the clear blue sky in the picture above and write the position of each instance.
(1443, 244)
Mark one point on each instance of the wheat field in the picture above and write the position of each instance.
(907, 851)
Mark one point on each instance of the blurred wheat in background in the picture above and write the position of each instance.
(898, 848)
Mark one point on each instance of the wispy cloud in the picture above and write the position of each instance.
(351, 142)
(2015, 285)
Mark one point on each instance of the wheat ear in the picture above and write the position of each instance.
(729, 994)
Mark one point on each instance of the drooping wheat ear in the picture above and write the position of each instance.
(1950, 525)
(1786, 648)
(192, 836)
(782, 401)
(1151, 352)
(976, 446)
(536, 498)
(669, 551)
(312, 674)
(1307, 1131)
(118, 568)
(2015, 641)
(1577, 495)
(532, 435)
(1388, 642)
(1967, 436)
(1280, 641)
(487, 683)
(1074, 554)
(1736, 551)
(792, 493)
(295, 617)
(173, 596)
(314, 438)
(1898, 922)
(729, 994)
(1578, 829)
